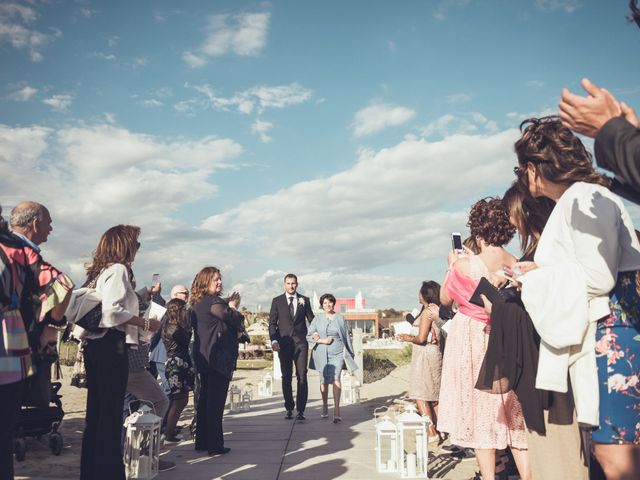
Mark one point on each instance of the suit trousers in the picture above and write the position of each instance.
(209, 410)
(107, 368)
(294, 352)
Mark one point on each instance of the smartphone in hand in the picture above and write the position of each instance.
(456, 241)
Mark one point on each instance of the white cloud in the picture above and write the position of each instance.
(15, 29)
(24, 94)
(243, 34)
(261, 128)
(442, 9)
(258, 98)
(379, 212)
(102, 56)
(152, 103)
(113, 40)
(466, 124)
(535, 83)
(458, 98)
(519, 116)
(88, 12)
(569, 6)
(94, 177)
(379, 116)
(59, 102)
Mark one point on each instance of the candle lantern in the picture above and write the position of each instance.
(245, 406)
(347, 388)
(412, 443)
(386, 446)
(268, 385)
(142, 443)
(235, 400)
(261, 390)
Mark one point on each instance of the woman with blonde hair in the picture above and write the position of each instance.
(105, 351)
(216, 323)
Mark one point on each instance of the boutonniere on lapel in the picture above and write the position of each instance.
(300, 301)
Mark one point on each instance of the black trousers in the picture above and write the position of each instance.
(292, 352)
(209, 410)
(107, 373)
(10, 396)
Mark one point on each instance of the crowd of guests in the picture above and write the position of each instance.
(550, 366)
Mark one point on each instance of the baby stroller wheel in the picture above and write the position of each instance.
(55, 443)
(19, 449)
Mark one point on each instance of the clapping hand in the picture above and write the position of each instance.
(234, 300)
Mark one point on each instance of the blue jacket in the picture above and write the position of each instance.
(319, 325)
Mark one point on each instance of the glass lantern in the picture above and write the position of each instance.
(412, 437)
(235, 400)
(245, 406)
(142, 443)
(261, 389)
(268, 385)
(386, 446)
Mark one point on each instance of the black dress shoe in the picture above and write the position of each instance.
(220, 452)
(300, 416)
(289, 415)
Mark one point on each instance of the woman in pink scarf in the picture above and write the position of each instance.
(475, 419)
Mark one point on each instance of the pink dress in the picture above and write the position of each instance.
(473, 418)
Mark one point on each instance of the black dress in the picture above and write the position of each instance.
(215, 350)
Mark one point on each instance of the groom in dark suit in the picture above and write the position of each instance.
(288, 320)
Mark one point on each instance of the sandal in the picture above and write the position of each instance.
(337, 419)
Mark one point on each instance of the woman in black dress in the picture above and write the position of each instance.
(176, 333)
(216, 323)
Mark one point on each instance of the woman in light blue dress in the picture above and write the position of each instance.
(331, 350)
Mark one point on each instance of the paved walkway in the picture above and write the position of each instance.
(266, 446)
(263, 444)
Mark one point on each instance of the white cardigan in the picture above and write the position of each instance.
(588, 239)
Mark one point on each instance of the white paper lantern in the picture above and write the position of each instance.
(386, 446)
(142, 443)
(245, 406)
(412, 443)
(235, 399)
(268, 385)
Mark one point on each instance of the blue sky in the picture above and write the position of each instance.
(339, 140)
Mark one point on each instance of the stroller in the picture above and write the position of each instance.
(37, 421)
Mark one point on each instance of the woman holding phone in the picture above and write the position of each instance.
(475, 419)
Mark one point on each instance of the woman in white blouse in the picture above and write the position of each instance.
(105, 351)
(582, 292)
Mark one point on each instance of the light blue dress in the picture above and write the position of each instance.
(330, 359)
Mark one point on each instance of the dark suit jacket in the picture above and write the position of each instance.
(282, 325)
(617, 149)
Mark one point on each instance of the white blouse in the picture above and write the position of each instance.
(119, 301)
(588, 239)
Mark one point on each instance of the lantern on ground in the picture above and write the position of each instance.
(268, 385)
(347, 388)
(235, 400)
(386, 446)
(142, 443)
(412, 440)
(261, 390)
(245, 406)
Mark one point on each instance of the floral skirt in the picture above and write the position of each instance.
(618, 358)
(180, 374)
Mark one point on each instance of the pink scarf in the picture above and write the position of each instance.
(460, 287)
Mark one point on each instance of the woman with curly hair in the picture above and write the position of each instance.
(176, 334)
(476, 419)
(581, 292)
(216, 323)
